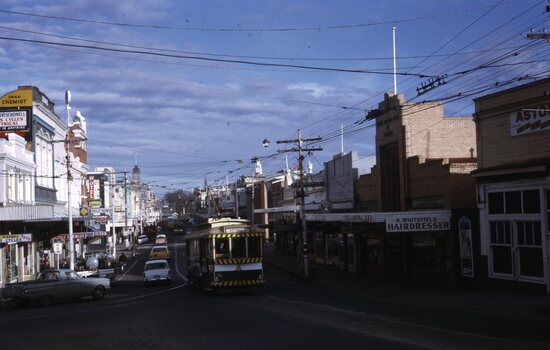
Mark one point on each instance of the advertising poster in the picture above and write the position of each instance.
(466, 251)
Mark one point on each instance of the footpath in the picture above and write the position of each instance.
(364, 288)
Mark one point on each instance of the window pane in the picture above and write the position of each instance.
(429, 254)
(502, 260)
(222, 247)
(537, 233)
(521, 232)
(507, 233)
(374, 251)
(513, 202)
(496, 203)
(238, 247)
(493, 228)
(530, 260)
(531, 202)
(254, 247)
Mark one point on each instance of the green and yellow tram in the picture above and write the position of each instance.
(225, 253)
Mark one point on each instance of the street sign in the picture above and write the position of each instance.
(100, 211)
(57, 247)
(24, 237)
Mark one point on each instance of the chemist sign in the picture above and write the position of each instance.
(418, 222)
(16, 112)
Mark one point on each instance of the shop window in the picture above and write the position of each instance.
(530, 249)
(333, 250)
(512, 202)
(516, 248)
(351, 253)
(319, 247)
(374, 251)
(429, 254)
(501, 247)
(531, 202)
(496, 203)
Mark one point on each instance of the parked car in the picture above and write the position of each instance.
(156, 271)
(142, 239)
(56, 284)
(160, 239)
(160, 252)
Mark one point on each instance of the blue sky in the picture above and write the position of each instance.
(186, 119)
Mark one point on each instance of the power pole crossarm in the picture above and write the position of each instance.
(299, 141)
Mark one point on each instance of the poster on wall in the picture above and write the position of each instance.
(466, 251)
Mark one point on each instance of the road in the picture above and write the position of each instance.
(285, 314)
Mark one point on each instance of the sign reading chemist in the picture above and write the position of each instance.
(16, 111)
(418, 222)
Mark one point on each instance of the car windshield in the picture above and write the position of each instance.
(157, 265)
(160, 250)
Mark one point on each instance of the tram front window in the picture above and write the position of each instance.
(254, 247)
(238, 247)
(222, 248)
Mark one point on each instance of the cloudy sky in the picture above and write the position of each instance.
(190, 88)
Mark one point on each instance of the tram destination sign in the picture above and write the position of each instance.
(418, 222)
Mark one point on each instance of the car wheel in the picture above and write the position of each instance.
(45, 300)
(98, 293)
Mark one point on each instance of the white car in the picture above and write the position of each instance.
(142, 239)
(156, 271)
(160, 239)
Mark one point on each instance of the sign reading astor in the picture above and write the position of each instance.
(418, 222)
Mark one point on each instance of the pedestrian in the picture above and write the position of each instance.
(122, 261)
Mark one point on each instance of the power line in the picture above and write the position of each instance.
(341, 70)
(288, 29)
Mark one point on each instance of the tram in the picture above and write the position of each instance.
(225, 254)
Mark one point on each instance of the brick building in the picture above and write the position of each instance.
(513, 177)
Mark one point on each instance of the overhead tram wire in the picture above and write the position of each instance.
(441, 47)
(490, 32)
(238, 56)
(471, 43)
(315, 28)
(321, 69)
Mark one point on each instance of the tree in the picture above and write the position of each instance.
(179, 199)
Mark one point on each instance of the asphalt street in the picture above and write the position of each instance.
(285, 314)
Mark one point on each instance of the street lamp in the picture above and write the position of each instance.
(78, 137)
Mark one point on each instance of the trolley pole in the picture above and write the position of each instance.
(300, 149)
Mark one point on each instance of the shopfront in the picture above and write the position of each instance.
(404, 247)
(18, 258)
(513, 179)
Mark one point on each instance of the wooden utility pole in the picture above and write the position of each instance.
(300, 149)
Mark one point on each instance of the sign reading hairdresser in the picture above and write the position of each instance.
(418, 222)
